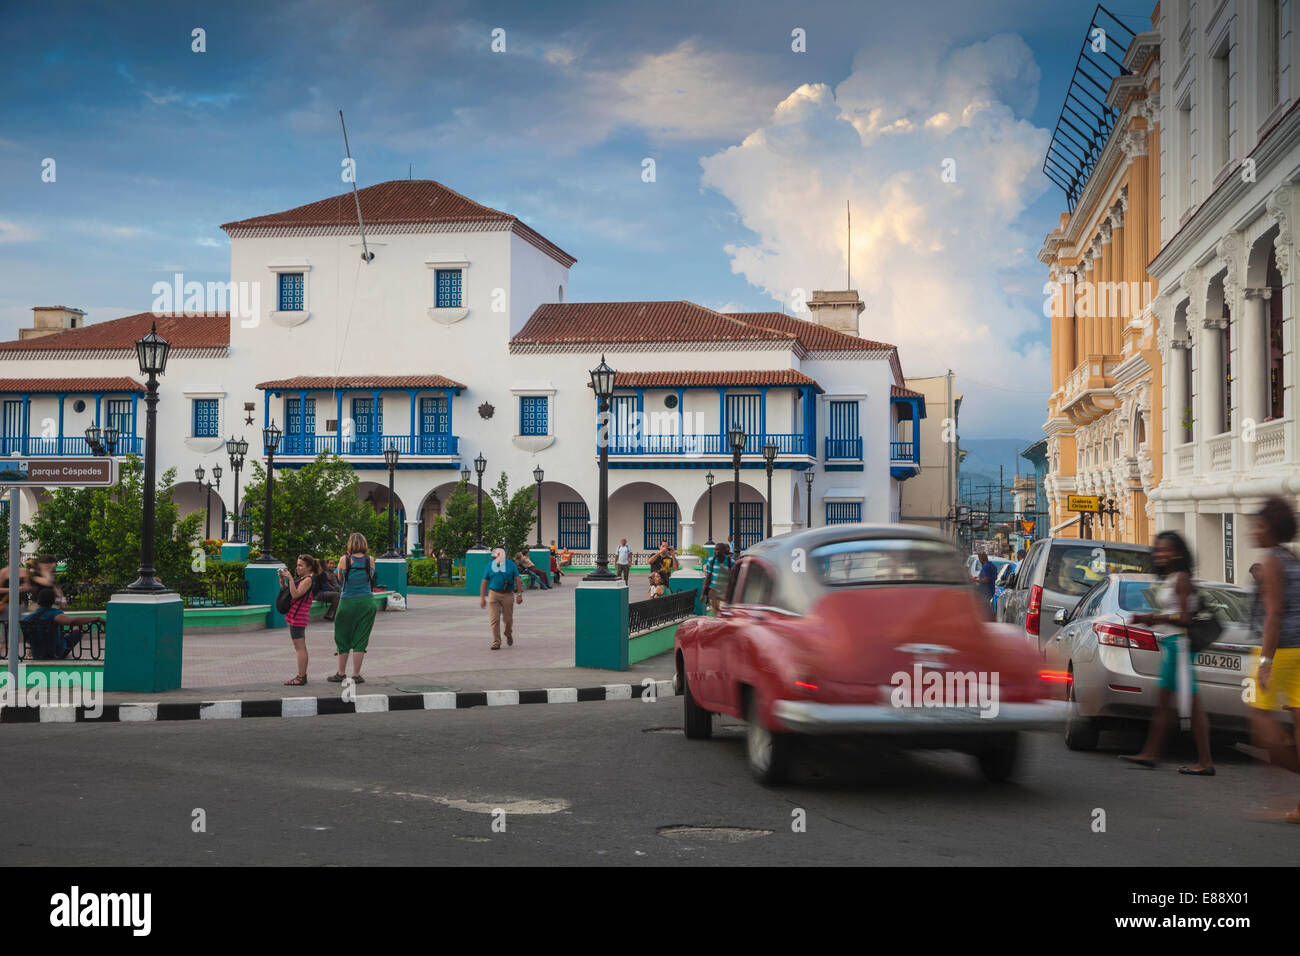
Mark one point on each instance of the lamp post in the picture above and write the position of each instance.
(151, 351)
(1110, 511)
(769, 456)
(736, 437)
(92, 441)
(480, 466)
(110, 439)
(808, 480)
(216, 473)
(602, 383)
(270, 439)
(538, 475)
(236, 448)
(207, 517)
(390, 459)
(708, 480)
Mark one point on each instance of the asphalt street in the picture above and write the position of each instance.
(598, 783)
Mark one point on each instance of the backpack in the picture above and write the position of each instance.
(370, 574)
(283, 600)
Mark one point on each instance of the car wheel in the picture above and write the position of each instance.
(997, 760)
(1081, 733)
(769, 752)
(698, 722)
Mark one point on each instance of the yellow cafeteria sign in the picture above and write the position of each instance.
(1084, 503)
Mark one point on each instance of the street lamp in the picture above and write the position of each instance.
(708, 480)
(390, 459)
(270, 440)
(602, 383)
(216, 473)
(110, 438)
(207, 517)
(236, 449)
(92, 440)
(538, 475)
(1110, 511)
(151, 351)
(737, 438)
(808, 480)
(480, 466)
(769, 456)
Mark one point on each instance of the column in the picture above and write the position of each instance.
(413, 535)
(338, 423)
(58, 448)
(1105, 278)
(1209, 405)
(1178, 358)
(1068, 324)
(1119, 273)
(1085, 323)
(1254, 353)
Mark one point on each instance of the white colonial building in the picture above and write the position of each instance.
(455, 339)
(1230, 156)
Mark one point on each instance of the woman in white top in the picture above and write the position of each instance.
(1176, 599)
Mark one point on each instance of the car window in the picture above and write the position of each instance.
(757, 586)
(1074, 569)
(1005, 575)
(737, 578)
(1032, 561)
(888, 561)
(1133, 596)
(1089, 606)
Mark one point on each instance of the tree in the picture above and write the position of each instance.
(455, 530)
(313, 509)
(512, 518)
(117, 522)
(61, 527)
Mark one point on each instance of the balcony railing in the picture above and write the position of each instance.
(844, 448)
(702, 444)
(313, 445)
(68, 445)
(902, 451)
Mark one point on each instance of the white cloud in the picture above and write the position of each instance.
(934, 261)
(209, 243)
(12, 232)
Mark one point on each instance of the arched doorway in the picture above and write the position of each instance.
(375, 494)
(646, 514)
(753, 513)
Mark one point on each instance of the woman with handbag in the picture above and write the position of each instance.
(1278, 621)
(356, 613)
(298, 614)
(1178, 602)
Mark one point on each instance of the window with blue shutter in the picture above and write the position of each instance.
(659, 524)
(843, 512)
(447, 286)
(532, 415)
(575, 525)
(290, 292)
(205, 418)
(843, 440)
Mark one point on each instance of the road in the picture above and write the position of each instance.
(593, 783)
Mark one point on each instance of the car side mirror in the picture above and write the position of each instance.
(1059, 616)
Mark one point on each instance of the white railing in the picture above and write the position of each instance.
(1270, 443)
(1219, 450)
(1185, 459)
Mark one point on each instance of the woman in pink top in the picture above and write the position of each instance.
(299, 614)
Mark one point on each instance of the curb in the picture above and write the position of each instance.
(325, 706)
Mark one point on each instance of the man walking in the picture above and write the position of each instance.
(623, 560)
(717, 571)
(500, 578)
(988, 574)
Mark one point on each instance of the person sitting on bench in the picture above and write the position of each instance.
(48, 641)
(533, 571)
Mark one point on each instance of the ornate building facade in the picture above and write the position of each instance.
(1106, 374)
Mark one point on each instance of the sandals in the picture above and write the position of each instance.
(1206, 772)
(495, 647)
(358, 679)
(336, 678)
(510, 640)
(296, 681)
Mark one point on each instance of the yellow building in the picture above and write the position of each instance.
(1105, 358)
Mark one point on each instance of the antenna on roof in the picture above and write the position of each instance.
(366, 254)
(848, 247)
(410, 170)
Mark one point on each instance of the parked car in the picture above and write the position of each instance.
(1006, 577)
(1114, 667)
(1057, 572)
(821, 628)
(973, 565)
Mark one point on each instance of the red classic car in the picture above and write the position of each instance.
(870, 630)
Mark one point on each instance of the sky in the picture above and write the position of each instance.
(756, 150)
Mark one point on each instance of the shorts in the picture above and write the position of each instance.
(1283, 683)
(1169, 664)
(297, 632)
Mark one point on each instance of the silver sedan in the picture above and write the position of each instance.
(1110, 669)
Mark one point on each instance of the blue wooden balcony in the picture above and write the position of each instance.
(365, 445)
(67, 445)
(903, 451)
(841, 449)
(695, 445)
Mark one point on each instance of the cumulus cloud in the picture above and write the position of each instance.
(935, 261)
(12, 232)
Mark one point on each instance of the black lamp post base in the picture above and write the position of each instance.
(602, 575)
(266, 559)
(147, 584)
(392, 553)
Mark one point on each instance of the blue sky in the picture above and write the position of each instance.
(756, 149)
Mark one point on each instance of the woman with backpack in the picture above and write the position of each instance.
(356, 613)
(1177, 600)
(298, 616)
(1278, 622)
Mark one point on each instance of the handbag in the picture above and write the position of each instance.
(283, 600)
(1205, 628)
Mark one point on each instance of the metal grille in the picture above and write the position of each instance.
(290, 291)
(660, 524)
(448, 289)
(843, 512)
(644, 616)
(205, 418)
(532, 415)
(751, 522)
(575, 526)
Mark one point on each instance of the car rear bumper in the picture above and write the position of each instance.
(807, 717)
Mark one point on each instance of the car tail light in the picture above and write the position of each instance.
(1119, 635)
(806, 685)
(1035, 608)
(1056, 677)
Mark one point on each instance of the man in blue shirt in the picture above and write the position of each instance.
(717, 571)
(988, 574)
(500, 578)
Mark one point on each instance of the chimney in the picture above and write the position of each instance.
(837, 310)
(51, 319)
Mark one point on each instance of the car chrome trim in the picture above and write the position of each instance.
(807, 717)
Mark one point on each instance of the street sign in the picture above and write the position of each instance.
(1027, 527)
(1089, 503)
(59, 472)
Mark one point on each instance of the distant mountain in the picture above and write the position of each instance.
(984, 455)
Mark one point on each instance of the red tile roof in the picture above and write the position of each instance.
(399, 202)
(815, 338)
(326, 382)
(601, 323)
(712, 379)
(80, 386)
(898, 391)
(195, 331)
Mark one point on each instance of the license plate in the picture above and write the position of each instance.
(1226, 662)
(941, 713)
